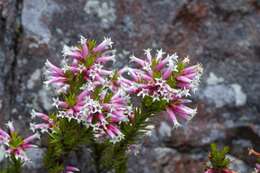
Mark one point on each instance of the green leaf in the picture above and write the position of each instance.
(180, 66)
(16, 140)
(171, 81)
(89, 61)
(96, 92)
(218, 157)
(91, 44)
(108, 97)
(71, 99)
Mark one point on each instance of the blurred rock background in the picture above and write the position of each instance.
(223, 35)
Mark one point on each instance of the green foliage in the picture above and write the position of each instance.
(90, 61)
(180, 66)
(108, 96)
(258, 160)
(91, 44)
(114, 156)
(172, 79)
(16, 140)
(75, 83)
(96, 92)
(13, 166)
(66, 137)
(218, 157)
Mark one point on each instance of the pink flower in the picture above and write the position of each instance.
(56, 76)
(14, 145)
(45, 126)
(88, 61)
(114, 133)
(107, 43)
(151, 79)
(211, 170)
(71, 169)
(104, 114)
(188, 78)
(163, 79)
(78, 53)
(258, 166)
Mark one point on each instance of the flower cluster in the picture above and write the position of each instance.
(14, 145)
(85, 60)
(87, 91)
(163, 78)
(90, 94)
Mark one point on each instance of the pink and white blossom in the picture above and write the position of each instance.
(161, 78)
(13, 145)
(46, 125)
(71, 169)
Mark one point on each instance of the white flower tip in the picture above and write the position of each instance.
(46, 83)
(132, 58)
(32, 127)
(186, 60)
(55, 102)
(33, 114)
(83, 39)
(108, 41)
(200, 68)
(176, 125)
(47, 63)
(174, 57)
(65, 50)
(37, 135)
(10, 125)
(160, 52)
(113, 58)
(194, 112)
(147, 51)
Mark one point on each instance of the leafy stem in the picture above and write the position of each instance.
(132, 131)
(14, 165)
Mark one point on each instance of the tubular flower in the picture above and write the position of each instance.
(219, 171)
(188, 78)
(88, 58)
(45, 126)
(105, 111)
(85, 61)
(71, 169)
(55, 76)
(151, 79)
(178, 108)
(98, 107)
(163, 78)
(14, 145)
(257, 167)
(92, 95)
(72, 106)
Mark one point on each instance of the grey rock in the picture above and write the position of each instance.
(221, 95)
(36, 157)
(35, 18)
(164, 130)
(2, 156)
(34, 78)
(105, 10)
(238, 165)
